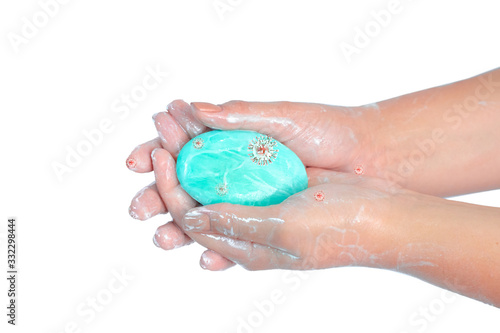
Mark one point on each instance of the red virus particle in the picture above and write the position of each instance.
(359, 170)
(198, 143)
(262, 150)
(131, 163)
(221, 189)
(319, 196)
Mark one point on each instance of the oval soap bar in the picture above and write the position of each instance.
(239, 167)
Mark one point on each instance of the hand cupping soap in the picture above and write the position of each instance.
(239, 167)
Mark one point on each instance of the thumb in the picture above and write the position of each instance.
(281, 120)
(261, 224)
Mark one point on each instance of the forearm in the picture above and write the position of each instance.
(442, 141)
(450, 244)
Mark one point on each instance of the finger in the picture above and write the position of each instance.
(147, 203)
(171, 134)
(262, 225)
(281, 120)
(252, 256)
(178, 202)
(318, 176)
(169, 236)
(139, 159)
(174, 134)
(212, 261)
(182, 113)
(173, 137)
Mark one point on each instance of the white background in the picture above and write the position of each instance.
(75, 232)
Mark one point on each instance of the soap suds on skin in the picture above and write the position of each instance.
(162, 129)
(234, 243)
(136, 202)
(167, 241)
(192, 220)
(358, 218)
(139, 194)
(318, 141)
(372, 105)
(160, 134)
(351, 134)
(238, 118)
(132, 213)
(417, 254)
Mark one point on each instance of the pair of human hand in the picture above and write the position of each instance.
(336, 221)
(363, 166)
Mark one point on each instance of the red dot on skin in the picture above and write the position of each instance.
(319, 196)
(131, 163)
(359, 170)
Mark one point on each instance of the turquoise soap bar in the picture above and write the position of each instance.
(239, 167)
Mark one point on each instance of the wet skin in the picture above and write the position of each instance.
(408, 149)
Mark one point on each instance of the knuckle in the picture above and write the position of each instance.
(285, 107)
(284, 235)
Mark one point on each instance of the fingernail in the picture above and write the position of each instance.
(157, 113)
(170, 105)
(155, 241)
(153, 157)
(204, 260)
(206, 107)
(195, 220)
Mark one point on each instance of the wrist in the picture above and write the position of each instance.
(367, 158)
(423, 229)
(398, 232)
(451, 244)
(405, 144)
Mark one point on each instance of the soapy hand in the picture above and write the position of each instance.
(417, 140)
(339, 220)
(322, 136)
(342, 220)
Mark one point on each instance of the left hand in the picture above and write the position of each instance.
(339, 220)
